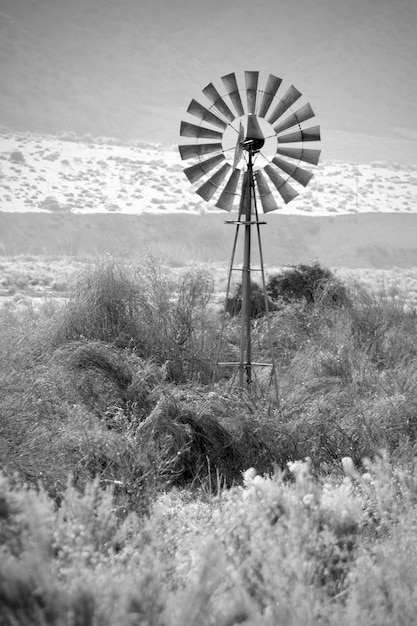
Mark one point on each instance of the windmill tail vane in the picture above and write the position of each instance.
(248, 148)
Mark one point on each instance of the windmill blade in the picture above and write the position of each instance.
(303, 114)
(267, 199)
(239, 146)
(308, 134)
(245, 203)
(215, 98)
(209, 188)
(286, 101)
(271, 88)
(228, 195)
(197, 109)
(195, 172)
(251, 80)
(230, 83)
(301, 154)
(199, 132)
(198, 150)
(285, 190)
(297, 173)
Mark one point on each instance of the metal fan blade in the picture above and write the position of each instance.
(197, 150)
(297, 173)
(251, 80)
(271, 88)
(239, 146)
(286, 101)
(285, 190)
(197, 109)
(195, 172)
(303, 114)
(306, 155)
(228, 195)
(209, 188)
(199, 132)
(230, 83)
(267, 199)
(308, 134)
(245, 203)
(215, 98)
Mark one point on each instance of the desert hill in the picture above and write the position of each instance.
(66, 195)
(68, 174)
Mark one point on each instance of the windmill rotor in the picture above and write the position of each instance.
(266, 120)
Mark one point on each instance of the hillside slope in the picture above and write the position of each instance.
(352, 241)
(43, 172)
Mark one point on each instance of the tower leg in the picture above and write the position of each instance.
(267, 311)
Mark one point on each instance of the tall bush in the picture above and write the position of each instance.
(140, 307)
(311, 283)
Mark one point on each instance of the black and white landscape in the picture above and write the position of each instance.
(164, 459)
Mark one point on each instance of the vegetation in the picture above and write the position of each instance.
(307, 282)
(17, 157)
(139, 487)
(257, 299)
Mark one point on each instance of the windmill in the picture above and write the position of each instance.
(246, 150)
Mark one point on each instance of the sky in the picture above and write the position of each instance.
(355, 61)
(130, 68)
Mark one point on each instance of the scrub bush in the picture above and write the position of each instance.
(311, 283)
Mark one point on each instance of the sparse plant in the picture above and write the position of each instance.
(50, 203)
(16, 156)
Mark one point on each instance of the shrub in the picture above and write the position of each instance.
(17, 157)
(138, 307)
(257, 301)
(103, 306)
(50, 203)
(311, 283)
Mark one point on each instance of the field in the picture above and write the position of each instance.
(139, 486)
(28, 280)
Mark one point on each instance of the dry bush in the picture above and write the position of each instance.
(140, 308)
(189, 441)
(258, 305)
(311, 283)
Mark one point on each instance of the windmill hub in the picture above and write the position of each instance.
(264, 152)
(254, 138)
(253, 144)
